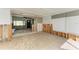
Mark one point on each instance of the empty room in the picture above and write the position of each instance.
(39, 28)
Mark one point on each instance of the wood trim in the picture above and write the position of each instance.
(1, 31)
(10, 32)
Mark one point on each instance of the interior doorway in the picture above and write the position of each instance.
(29, 24)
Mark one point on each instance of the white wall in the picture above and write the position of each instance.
(59, 24)
(72, 24)
(68, 23)
(47, 19)
(5, 16)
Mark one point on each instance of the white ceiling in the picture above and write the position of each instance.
(39, 12)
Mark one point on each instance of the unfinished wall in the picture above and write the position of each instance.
(64, 22)
(5, 20)
(68, 21)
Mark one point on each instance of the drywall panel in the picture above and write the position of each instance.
(65, 22)
(5, 17)
(72, 24)
(46, 19)
(59, 24)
